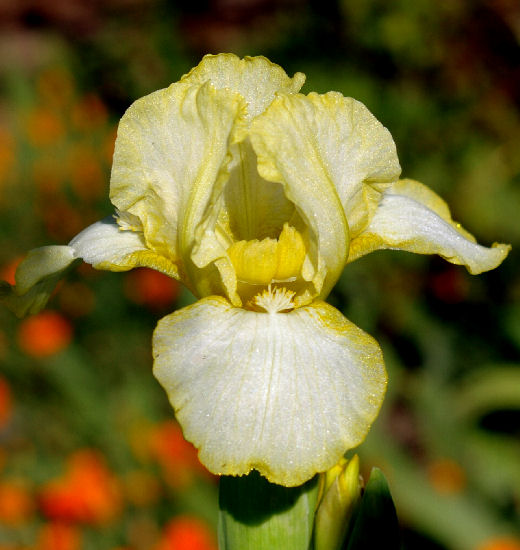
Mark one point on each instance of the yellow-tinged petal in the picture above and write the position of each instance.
(105, 245)
(253, 208)
(256, 79)
(36, 278)
(332, 157)
(269, 260)
(411, 217)
(284, 393)
(290, 254)
(170, 161)
(254, 261)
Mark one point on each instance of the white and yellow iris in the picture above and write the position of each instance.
(255, 197)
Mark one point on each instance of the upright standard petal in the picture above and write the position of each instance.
(355, 150)
(332, 156)
(256, 79)
(36, 278)
(171, 153)
(411, 217)
(283, 393)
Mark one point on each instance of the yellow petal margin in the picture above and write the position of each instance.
(283, 393)
(411, 217)
(171, 156)
(104, 245)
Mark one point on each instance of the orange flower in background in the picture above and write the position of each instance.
(44, 127)
(8, 271)
(151, 288)
(177, 457)
(58, 536)
(44, 334)
(187, 533)
(446, 476)
(6, 404)
(16, 503)
(87, 271)
(501, 543)
(450, 285)
(88, 492)
(60, 219)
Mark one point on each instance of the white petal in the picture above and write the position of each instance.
(105, 246)
(411, 217)
(36, 278)
(284, 393)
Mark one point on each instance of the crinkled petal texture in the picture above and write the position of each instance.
(411, 217)
(284, 393)
(332, 157)
(171, 152)
(256, 79)
(173, 158)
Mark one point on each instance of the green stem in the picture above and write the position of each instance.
(258, 515)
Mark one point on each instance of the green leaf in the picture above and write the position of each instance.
(258, 515)
(375, 524)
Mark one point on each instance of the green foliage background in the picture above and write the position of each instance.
(444, 77)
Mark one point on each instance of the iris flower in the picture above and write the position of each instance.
(255, 197)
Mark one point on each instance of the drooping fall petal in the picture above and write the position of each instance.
(36, 278)
(284, 393)
(411, 217)
(105, 245)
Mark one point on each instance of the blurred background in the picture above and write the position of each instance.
(90, 455)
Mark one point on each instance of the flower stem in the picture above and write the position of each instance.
(258, 515)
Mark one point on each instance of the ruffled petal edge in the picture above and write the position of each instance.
(283, 393)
